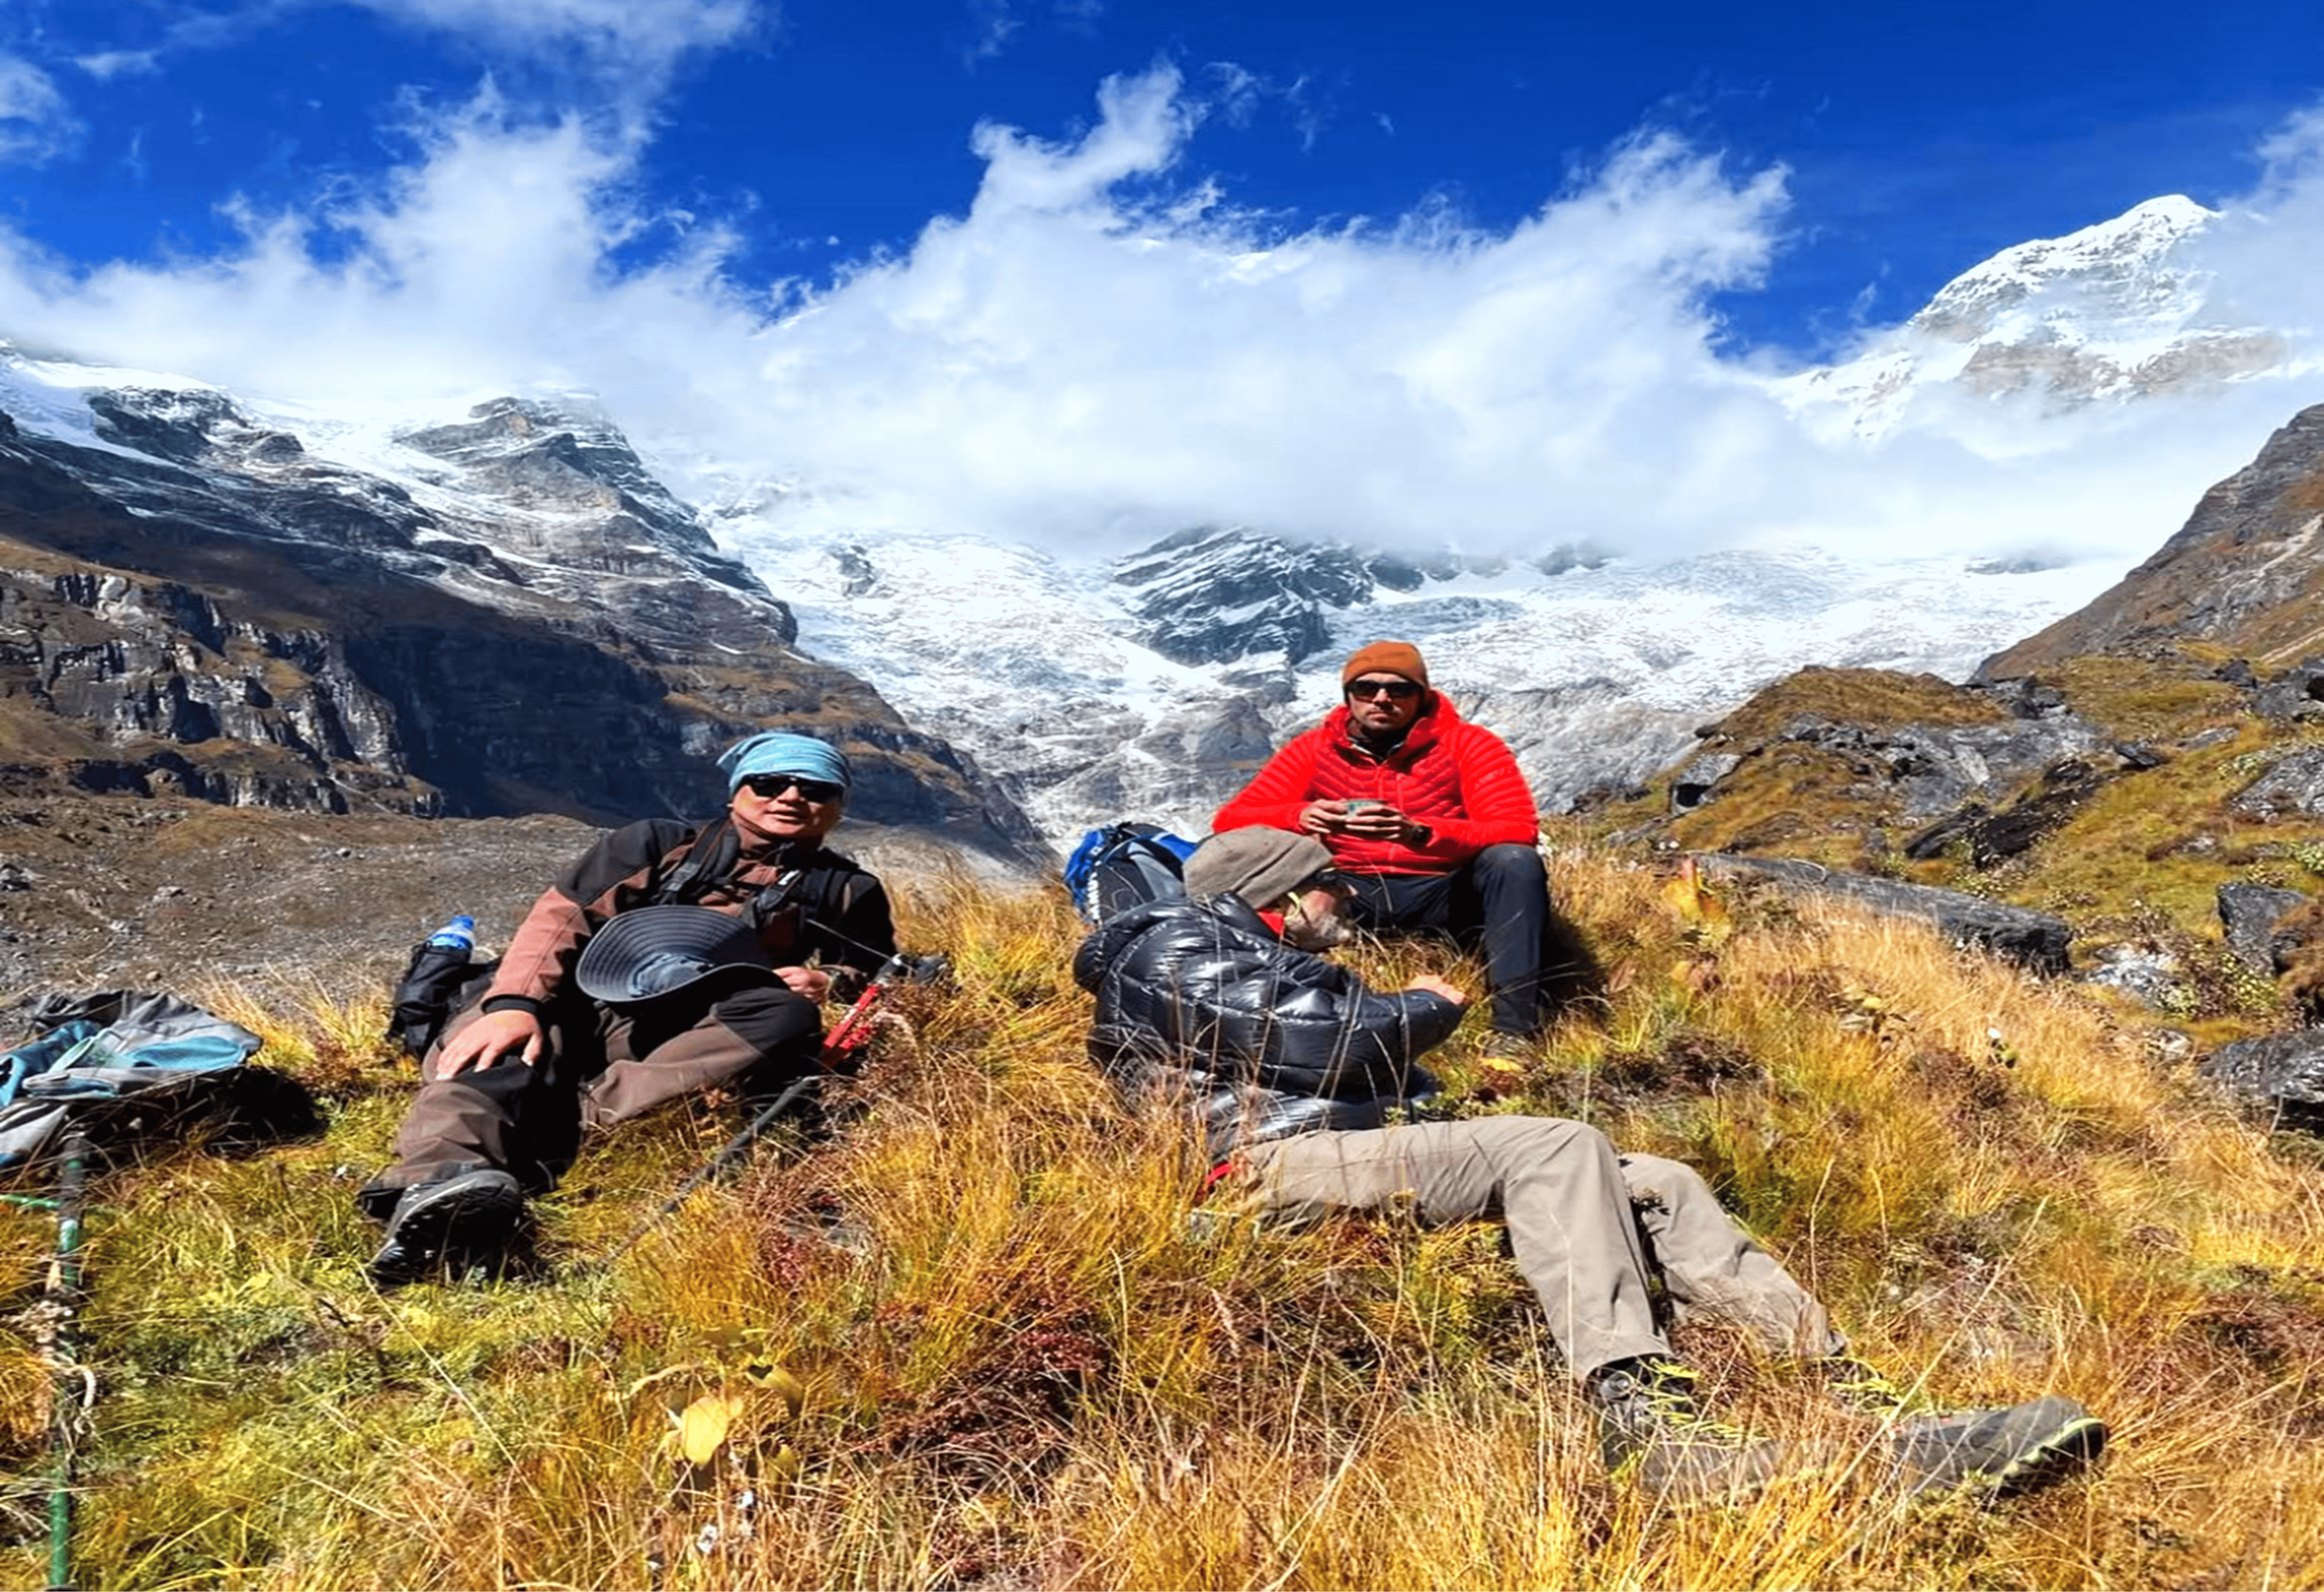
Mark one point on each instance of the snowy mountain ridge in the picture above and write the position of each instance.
(2115, 311)
(1087, 684)
(1593, 674)
(499, 609)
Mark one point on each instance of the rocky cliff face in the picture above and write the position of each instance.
(505, 614)
(1213, 595)
(2246, 572)
(151, 686)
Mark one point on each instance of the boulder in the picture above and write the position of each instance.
(2028, 698)
(2149, 977)
(2036, 940)
(2297, 693)
(2249, 913)
(1991, 837)
(2281, 1072)
(1934, 769)
(2293, 787)
(1691, 786)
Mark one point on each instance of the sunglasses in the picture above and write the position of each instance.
(1401, 690)
(768, 786)
(1330, 879)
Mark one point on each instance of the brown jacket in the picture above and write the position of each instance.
(830, 913)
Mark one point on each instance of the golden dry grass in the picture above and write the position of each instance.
(971, 1341)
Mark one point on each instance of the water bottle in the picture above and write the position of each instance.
(423, 1000)
(458, 935)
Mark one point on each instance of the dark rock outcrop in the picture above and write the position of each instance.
(1692, 785)
(2282, 1073)
(2297, 693)
(1988, 837)
(2249, 914)
(2293, 787)
(1933, 769)
(2036, 940)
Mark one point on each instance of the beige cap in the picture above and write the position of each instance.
(1259, 863)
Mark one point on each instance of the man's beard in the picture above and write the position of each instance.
(1310, 933)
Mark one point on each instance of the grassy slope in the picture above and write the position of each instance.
(1024, 1369)
(2139, 865)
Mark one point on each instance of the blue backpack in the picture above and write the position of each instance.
(1126, 865)
(135, 1065)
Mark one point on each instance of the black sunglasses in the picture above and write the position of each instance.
(1330, 879)
(1402, 690)
(769, 786)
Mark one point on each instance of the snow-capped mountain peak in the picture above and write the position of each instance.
(2116, 311)
(2123, 271)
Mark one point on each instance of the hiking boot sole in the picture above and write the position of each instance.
(471, 1220)
(2051, 1438)
(2077, 1443)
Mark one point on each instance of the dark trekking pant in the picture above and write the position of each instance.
(1497, 904)
(599, 1064)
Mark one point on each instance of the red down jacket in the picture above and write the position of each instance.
(1457, 779)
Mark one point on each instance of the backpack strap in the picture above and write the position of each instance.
(830, 893)
(772, 898)
(711, 857)
(824, 893)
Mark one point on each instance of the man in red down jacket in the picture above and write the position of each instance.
(1429, 819)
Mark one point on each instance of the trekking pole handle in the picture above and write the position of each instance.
(844, 1036)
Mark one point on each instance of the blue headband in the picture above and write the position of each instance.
(778, 752)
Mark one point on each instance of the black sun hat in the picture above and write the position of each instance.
(653, 952)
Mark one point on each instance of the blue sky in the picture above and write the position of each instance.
(1087, 270)
(1917, 139)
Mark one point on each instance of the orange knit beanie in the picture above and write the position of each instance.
(1385, 657)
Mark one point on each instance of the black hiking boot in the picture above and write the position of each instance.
(2004, 1452)
(450, 1227)
(1651, 1430)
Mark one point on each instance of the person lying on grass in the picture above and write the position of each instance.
(670, 958)
(1218, 1005)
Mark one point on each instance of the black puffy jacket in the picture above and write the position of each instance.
(1201, 1002)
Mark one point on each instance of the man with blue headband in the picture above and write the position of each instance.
(670, 958)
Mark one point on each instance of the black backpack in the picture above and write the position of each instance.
(438, 981)
(1126, 865)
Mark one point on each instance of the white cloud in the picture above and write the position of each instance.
(2262, 252)
(626, 48)
(1102, 345)
(994, 21)
(36, 124)
(643, 35)
(107, 64)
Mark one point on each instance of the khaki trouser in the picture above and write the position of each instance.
(1586, 1225)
